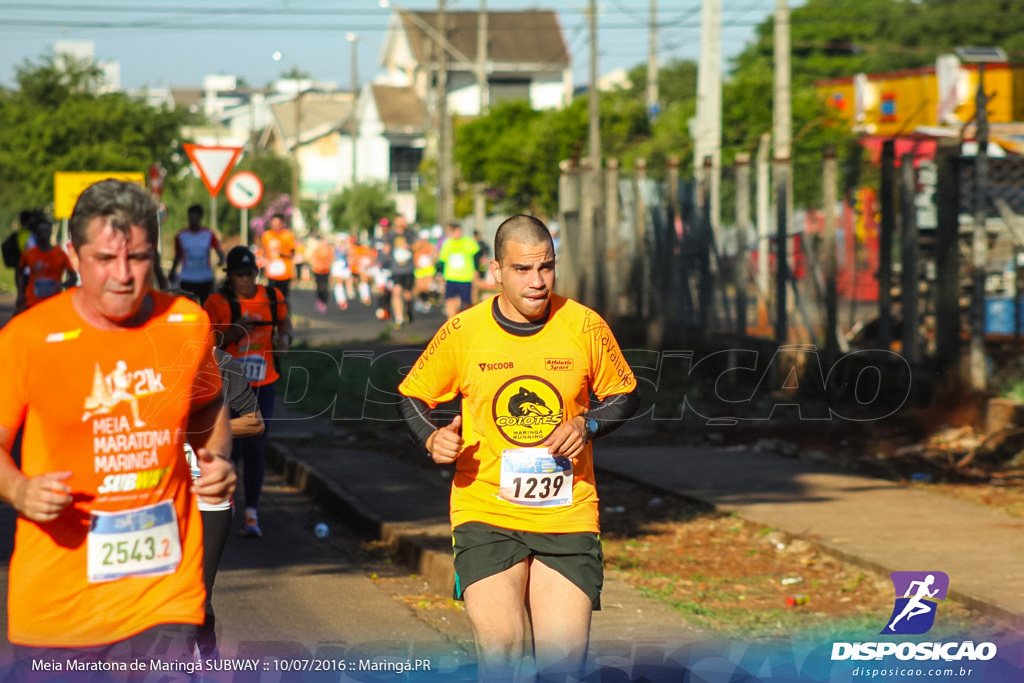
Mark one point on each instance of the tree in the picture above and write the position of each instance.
(517, 151)
(677, 81)
(56, 120)
(361, 207)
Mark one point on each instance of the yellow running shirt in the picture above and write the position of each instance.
(516, 391)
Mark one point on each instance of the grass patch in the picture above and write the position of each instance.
(355, 386)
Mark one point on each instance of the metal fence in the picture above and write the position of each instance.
(887, 267)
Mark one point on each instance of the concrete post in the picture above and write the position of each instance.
(613, 248)
(829, 200)
(908, 258)
(740, 277)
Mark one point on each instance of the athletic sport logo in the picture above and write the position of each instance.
(916, 596)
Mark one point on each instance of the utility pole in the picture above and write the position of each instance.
(591, 208)
(594, 99)
(481, 58)
(445, 175)
(296, 168)
(479, 199)
(708, 136)
(652, 63)
(353, 40)
(783, 133)
(764, 234)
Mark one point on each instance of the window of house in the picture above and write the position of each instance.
(405, 168)
(505, 89)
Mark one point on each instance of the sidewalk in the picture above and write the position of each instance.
(870, 522)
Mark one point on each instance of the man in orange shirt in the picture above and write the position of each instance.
(108, 565)
(41, 268)
(279, 245)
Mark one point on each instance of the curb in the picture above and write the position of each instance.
(427, 552)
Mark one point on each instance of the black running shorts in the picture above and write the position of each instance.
(483, 550)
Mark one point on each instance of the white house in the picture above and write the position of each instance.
(526, 57)
(392, 123)
(319, 123)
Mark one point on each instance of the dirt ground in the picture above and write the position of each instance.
(734, 576)
(729, 575)
(720, 572)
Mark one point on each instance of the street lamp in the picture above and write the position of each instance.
(353, 40)
(979, 243)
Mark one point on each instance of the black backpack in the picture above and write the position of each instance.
(236, 307)
(236, 313)
(11, 250)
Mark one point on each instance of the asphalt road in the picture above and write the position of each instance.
(356, 323)
(291, 597)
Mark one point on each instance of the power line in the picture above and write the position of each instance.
(206, 9)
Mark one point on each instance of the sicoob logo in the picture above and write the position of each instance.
(501, 365)
(526, 410)
(916, 595)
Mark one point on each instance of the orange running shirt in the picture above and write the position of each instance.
(361, 258)
(111, 406)
(322, 258)
(516, 391)
(46, 271)
(255, 350)
(280, 254)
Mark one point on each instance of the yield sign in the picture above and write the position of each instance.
(213, 163)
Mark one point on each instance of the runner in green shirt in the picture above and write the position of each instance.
(458, 255)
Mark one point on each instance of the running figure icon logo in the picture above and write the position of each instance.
(916, 596)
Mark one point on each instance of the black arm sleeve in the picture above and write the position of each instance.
(613, 411)
(238, 393)
(416, 415)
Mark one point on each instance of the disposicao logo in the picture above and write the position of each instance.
(913, 613)
(917, 594)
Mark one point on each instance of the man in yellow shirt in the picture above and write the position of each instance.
(523, 502)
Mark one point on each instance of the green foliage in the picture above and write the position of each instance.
(516, 150)
(361, 207)
(677, 81)
(837, 38)
(426, 193)
(56, 120)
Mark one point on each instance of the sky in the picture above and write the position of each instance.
(178, 47)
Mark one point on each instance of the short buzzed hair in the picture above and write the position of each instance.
(523, 229)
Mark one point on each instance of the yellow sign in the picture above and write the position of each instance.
(67, 185)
